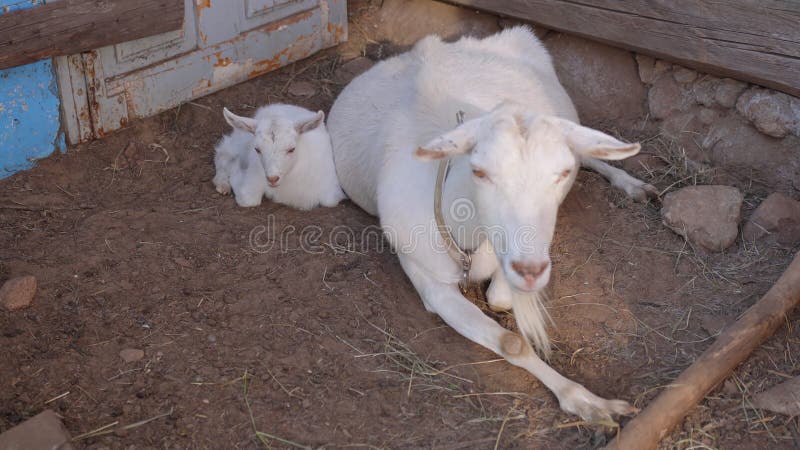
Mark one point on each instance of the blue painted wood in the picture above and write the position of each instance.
(29, 109)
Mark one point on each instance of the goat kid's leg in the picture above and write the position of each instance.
(470, 322)
(634, 187)
(499, 292)
(222, 183)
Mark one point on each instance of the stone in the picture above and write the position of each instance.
(683, 75)
(183, 262)
(770, 112)
(667, 96)
(18, 293)
(778, 214)
(705, 89)
(728, 91)
(707, 116)
(130, 355)
(782, 399)
(733, 144)
(351, 69)
(602, 81)
(647, 66)
(302, 89)
(661, 68)
(707, 216)
(43, 431)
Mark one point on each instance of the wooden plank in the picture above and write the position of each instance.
(751, 40)
(72, 26)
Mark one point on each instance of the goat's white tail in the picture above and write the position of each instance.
(531, 316)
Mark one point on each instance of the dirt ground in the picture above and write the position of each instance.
(248, 346)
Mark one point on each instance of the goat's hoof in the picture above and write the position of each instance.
(500, 307)
(593, 409)
(640, 191)
(224, 190)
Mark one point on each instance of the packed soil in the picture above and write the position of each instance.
(271, 327)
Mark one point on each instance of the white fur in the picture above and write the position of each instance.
(521, 129)
(305, 176)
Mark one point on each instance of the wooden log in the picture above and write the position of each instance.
(743, 39)
(735, 343)
(72, 26)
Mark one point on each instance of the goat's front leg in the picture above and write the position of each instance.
(634, 187)
(458, 312)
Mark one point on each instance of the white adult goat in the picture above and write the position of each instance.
(283, 153)
(514, 159)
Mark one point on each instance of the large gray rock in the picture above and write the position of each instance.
(735, 145)
(667, 96)
(777, 215)
(705, 89)
(771, 112)
(783, 398)
(43, 431)
(602, 81)
(707, 216)
(728, 91)
(683, 75)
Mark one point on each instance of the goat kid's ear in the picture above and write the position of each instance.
(458, 141)
(304, 127)
(242, 123)
(585, 141)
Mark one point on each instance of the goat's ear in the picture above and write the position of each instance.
(458, 141)
(585, 141)
(242, 123)
(308, 125)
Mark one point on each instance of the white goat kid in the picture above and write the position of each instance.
(512, 161)
(283, 153)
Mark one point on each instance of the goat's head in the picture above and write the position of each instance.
(523, 165)
(275, 140)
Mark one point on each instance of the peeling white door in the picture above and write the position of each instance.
(223, 42)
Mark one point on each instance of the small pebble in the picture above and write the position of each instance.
(183, 262)
(131, 354)
(18, 293)
(302, 89)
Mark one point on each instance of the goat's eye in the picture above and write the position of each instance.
(258, 150)
(480, 173)
(564, 174)
(291, 150)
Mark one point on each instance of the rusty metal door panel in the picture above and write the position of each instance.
(128, 56)
(223, 42)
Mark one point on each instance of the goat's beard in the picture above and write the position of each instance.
(532, 317)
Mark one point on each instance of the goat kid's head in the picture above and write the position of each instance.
(275, 140)
(523, 165)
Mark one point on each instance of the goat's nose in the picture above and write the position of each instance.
(273, 180)
(529, 271)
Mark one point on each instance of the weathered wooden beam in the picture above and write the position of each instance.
(65, 27)
(756, 41)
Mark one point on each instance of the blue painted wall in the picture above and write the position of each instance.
(30, 125)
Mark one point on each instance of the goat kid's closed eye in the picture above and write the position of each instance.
(258, 150)
(291, 150)
(480, 174)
